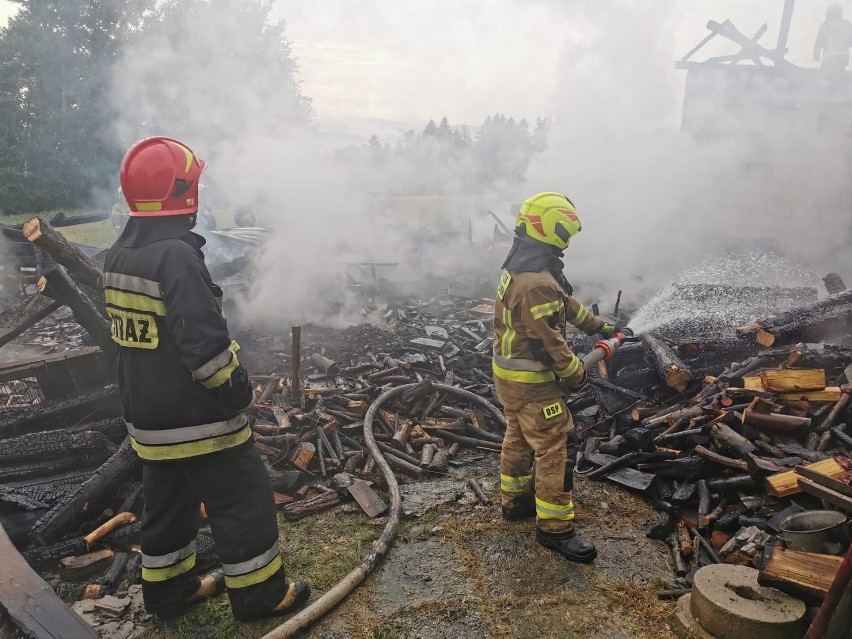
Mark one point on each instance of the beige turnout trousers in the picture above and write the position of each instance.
(539, 432)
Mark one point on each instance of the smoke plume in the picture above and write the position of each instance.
(653, 199)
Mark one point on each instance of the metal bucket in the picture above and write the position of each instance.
(820, 531)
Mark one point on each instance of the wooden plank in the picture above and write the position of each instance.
(829, 482)
(31, 604)
(801, 574)
(790, 380)
(829, 394)
(785, 484)
(826, 494)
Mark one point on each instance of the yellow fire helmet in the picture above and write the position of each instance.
(549, 218)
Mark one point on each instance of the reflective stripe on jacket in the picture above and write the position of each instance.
(530, 349)
(183, 389)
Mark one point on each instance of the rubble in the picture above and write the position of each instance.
(725, 436)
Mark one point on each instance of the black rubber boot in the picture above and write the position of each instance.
(523, 507)
(569, 545)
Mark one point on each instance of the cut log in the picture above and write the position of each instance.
(725, 436)
(26, 315)
(785, 484)
(56, 522)
(54, 244)
(77, 568)
(808, 322)
(326, 365)
(805, 575)
(667, 365)
(775, 421)
(31, 604)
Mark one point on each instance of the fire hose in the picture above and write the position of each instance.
(380, 547)
(605, 348)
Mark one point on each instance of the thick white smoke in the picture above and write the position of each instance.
(652, 199)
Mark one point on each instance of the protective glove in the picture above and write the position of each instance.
(607, 330)
(573, 383)
(238, 392)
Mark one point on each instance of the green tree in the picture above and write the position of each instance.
(55, 60)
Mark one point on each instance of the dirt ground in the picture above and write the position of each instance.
(458, 570)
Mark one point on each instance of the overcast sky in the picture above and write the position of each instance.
(410, 60)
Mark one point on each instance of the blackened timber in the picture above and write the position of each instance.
(667, 365)
(470, 441)
(31, 470)
(27, 314)
(840, 435)
(61, 413)
(54, 244)
(672, 437)
(612, 466)
(809, 321)
(65, 515)
(627, 477)
(724, 435)
(55, 284)
(52, 444)
(326, 365)
(31, 604)
(600, 383)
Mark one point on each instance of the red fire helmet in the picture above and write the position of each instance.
(159, 176)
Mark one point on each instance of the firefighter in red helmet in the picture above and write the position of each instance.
(185, 398)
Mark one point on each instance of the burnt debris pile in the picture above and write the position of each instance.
(738, 438)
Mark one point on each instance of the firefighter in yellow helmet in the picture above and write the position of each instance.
(534, 369)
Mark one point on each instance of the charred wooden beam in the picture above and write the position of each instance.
(61, 413)
(56, 522)
(54, 244)
(804, 322)
(55, 443)
(55, 284)
(25, 315)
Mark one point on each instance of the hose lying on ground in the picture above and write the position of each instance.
(380, 547)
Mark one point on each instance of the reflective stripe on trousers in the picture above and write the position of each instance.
(163, 567)
(514, 485)
(253, 571)
(546, 510)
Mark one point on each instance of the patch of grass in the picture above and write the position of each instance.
(322, 548)
(389, 630)
(213, 616)
(100, 234)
